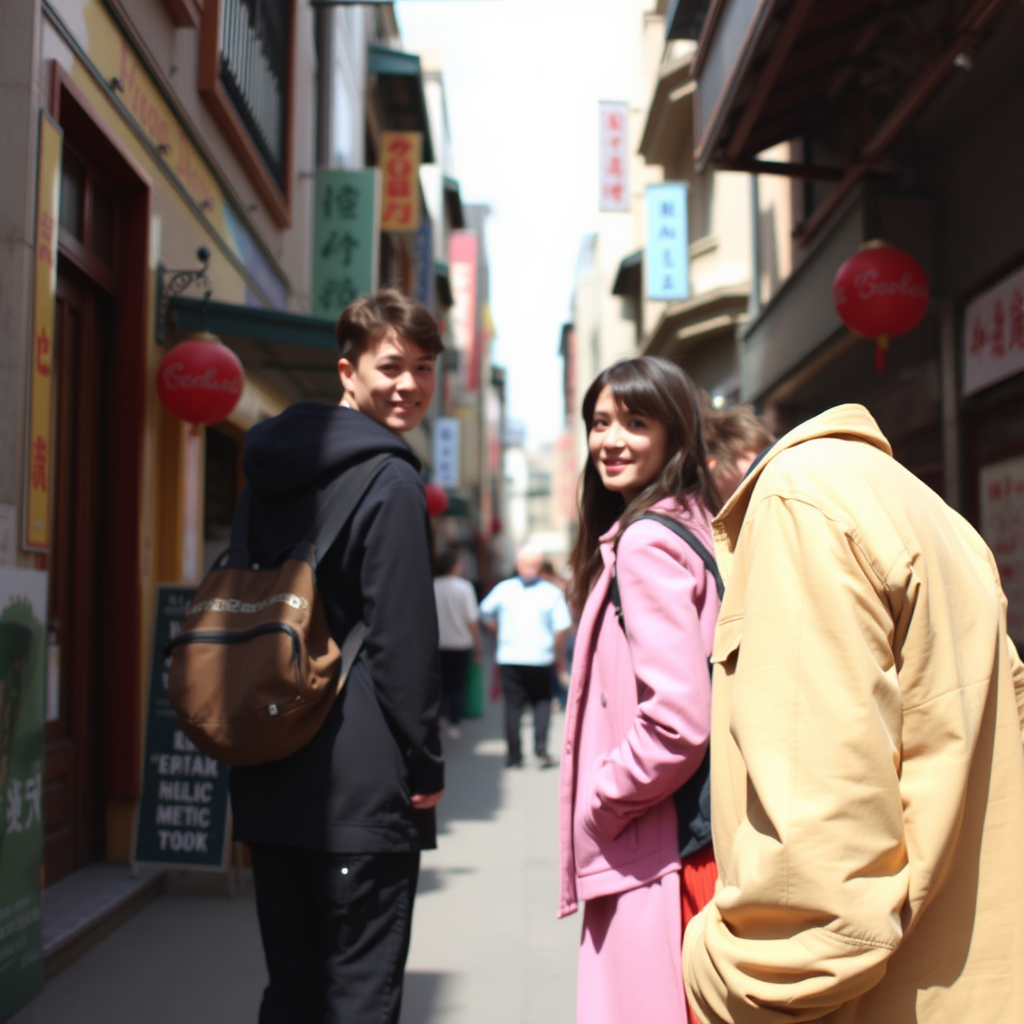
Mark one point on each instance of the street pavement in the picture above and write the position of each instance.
(485, 945)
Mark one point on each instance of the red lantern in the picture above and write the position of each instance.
(881, 292)
(437, 499)
(200, 380)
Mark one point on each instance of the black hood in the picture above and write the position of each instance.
(311, 441)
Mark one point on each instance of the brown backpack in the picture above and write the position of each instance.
(255, 670)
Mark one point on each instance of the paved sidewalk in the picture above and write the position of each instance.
(486, 945)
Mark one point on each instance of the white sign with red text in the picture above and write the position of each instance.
(994, 334)
(613, 153)
(1001, 504)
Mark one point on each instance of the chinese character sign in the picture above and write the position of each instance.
(446, 451)
(1001, 504)
(345, 253)
(462, 258)
(667, 257)
(994, 334)
(400, 162)
(22, 731)
(613, 154)
(39, 457)
(423, 264)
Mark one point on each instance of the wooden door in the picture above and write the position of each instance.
(72, 799)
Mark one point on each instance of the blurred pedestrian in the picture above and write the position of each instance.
(458, 616)
(559, 680)
(635, 833)
(734, 438)
(530, 618)
(336, 829)
(868, 775)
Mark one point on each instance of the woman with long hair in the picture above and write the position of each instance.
(635, 832)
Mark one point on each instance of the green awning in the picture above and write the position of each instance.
(627, 281)
(443, 284)
(453, 203)
(400, 86)
(295, 356)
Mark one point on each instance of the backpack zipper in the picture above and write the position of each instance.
(220, 636)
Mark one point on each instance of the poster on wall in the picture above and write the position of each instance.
(1001, 503)
(22, 736)
(183, 814)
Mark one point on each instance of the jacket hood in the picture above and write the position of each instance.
(311, 441)
(852, 422)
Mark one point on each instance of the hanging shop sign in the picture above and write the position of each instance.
(881, 292)
(200, 380)
(400, 161)
(463, 249)
(183, 814)
(667, 255)
(446, 451)
(345, 239)
(22, 732)
(423, 264)
(613, 154)
(994, 334)
(39, 457)
(1001, 507)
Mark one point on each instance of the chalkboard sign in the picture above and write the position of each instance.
(183, 815)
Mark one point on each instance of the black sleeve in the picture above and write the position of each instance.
(401, 625)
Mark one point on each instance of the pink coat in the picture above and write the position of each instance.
(639, 711)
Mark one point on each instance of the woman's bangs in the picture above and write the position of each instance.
(639, 395)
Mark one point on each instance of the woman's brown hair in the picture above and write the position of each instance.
(367, 320)
(660, 390)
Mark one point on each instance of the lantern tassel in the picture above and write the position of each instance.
(881, 347)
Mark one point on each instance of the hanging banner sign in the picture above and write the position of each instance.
(667, 256)
(463, 248)
(994, 334)
(1001, 504)
(423, 264)
(446, 451)
(22, 731)
(345, 252)
(39, 457)
(400, 160)
(613, 154)
(183, 814)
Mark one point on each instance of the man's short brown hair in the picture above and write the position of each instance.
(368, 319)
(730, 434)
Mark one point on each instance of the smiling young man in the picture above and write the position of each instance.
(336, 830)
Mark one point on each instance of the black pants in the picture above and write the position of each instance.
(335, 933)
(522, 685)
(454, 672)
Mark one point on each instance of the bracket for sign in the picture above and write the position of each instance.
(170, 283)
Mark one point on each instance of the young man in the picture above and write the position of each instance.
(336, 830)
(733, 438)
(531, 619)
(867, 770)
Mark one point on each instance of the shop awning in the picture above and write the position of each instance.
(628, 280)
(453, 203)
(443, 285)
(685, 18)
(668, 133)
(685, 325)
(400, 87)
(294, 356)
(847, 76)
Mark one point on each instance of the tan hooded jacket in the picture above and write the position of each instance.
(867, 773)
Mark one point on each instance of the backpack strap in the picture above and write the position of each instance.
(686, 535)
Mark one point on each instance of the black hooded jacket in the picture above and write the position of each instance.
(348, 790)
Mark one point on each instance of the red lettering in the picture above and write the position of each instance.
(39, 478)
(44, 360)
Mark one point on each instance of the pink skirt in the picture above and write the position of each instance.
(630, 966)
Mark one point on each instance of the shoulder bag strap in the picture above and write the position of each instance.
(688, 536)
(340, 500)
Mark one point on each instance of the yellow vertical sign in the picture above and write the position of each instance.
(400, 162)
(39, 472)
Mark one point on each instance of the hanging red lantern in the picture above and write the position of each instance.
(881, 292)
(200, 380)
(437, 499)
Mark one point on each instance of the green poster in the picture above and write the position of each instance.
(345, 237)
(22, 735)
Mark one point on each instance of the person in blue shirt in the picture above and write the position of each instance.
(531, 620)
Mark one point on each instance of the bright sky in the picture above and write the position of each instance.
(523, 79)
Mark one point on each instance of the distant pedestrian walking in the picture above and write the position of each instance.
(635, 828)
(531, 620)
(458, 620)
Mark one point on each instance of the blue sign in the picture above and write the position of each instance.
(423, 264)
(667, 257)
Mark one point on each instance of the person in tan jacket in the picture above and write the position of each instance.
(867, 770)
